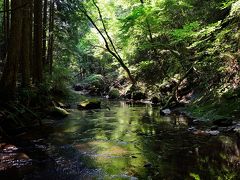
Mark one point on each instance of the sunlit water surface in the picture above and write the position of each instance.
(133, 142)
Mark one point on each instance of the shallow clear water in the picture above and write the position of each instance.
(132, 142)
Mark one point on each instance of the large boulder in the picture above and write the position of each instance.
(89, 104)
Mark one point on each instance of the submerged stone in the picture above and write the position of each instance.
(165, 112)
(213, 133)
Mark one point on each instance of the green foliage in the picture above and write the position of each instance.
(227, 3)
(130, 21)
(26, 95)
(195, 176)
(149, 71)
(187, 32)
(60, 81)
(114, 93)
(157, 40)
(95, 80)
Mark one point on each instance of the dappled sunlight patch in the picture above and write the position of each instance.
(82, 147)
(102, 149)
(116, 150)
(72, 129)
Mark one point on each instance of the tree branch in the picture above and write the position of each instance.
(105, 29)
(113, 53)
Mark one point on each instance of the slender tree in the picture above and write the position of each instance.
(6, 20)
(9, 77)
(51, 37)
(38, 46)
(45, 7)
(108, 41)
(26, 44)
(31, 39)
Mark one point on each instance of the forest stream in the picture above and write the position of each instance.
(126, 142)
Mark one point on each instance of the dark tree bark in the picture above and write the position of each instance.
(51, 37)
(26, 44)
(31, 39)
(6, 20)
(9, 77)
(38, 46)
(5, 25)
(44, 31)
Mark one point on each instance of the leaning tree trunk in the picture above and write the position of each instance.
(108, 41)
(38, 34)
(9, 77)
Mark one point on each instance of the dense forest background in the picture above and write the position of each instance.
(170, 51)
(119, 89)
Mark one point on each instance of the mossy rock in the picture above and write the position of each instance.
(59, 112)
(89, 104)
(114, 94)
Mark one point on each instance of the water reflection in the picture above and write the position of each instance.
(135, 142)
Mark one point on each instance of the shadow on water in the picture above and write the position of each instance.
(134, 142)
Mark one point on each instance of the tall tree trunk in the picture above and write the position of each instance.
(6, 20)
(45, 5)
(26, 34)
(31, 40)
(51, 37)
(38, 34)
(9, 77)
